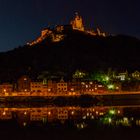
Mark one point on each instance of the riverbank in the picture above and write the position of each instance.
(83, 100)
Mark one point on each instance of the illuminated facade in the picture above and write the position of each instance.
(122, 76)
(77, 23)
(36, 86)
(91, 87)
(38, 89)
(52, 86)
(61, 86)
(44, 33)
(136, 75)
(24, 84)
(6, 88)
(47, 33)
(57, 33)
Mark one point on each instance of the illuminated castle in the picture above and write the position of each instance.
(56, 34)
(47, 33)
(77, 23)
(44, 33)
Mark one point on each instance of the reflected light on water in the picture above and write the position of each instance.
(78, 116)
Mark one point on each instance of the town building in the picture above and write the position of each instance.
(61, 87)
(6, 89)
(51, 86)
(122, 76)
(24, 84)
(36, 86)
(74, 85)
(136, 75)
(92, 87)
(39, 88)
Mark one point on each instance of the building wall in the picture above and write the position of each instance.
(136, 75)
(52, 86)
(77, 23)
(62, 86)
(6, 88)
(24, 84)
(36, 86)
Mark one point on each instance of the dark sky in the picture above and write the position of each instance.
(22, 20)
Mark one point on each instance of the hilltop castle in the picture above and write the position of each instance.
(77, 23)
(57, 34)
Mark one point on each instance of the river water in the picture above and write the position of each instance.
(69, 122)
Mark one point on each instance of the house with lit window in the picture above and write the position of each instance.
(122, 76)
(61, 86)
(92, 86)
(136, 75)
(74, 86)
(36, 86)
(51, 86)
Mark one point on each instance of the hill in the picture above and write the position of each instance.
(76, 51)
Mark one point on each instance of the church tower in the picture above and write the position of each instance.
(77, 23)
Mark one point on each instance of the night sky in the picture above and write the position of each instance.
(22, 20)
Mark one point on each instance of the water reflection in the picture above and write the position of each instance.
(77, 116)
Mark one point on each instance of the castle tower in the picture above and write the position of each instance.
(77, 23)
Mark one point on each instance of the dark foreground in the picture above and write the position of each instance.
(93, 132)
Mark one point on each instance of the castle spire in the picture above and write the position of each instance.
(76, 14)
